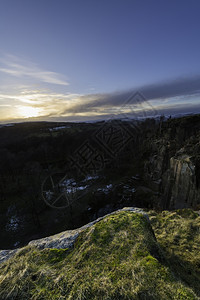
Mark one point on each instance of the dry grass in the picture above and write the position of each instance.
(118, 258)
(178, 234)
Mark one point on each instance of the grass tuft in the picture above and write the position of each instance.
(117, 258)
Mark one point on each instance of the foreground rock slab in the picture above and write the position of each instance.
(65, 239)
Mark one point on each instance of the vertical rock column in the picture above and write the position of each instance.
(179, 183)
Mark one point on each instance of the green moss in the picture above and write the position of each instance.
(183, 294)
(177, 233)
(117, 258)
(187, 213)
(53, 256)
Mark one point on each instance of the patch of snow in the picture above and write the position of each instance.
(49, 194)
(126, 187)
(59, 128)
(69, 181)
(80, 188)
(13, 223)
(109, 186)
(16, 244)
(6, 125)
(71, 186)
(106, 190)
(69, 189)
(90, 178)
(135, 177)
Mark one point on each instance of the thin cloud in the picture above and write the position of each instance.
(161, 92)
(47, 102)
(177, 96)
(20, 68)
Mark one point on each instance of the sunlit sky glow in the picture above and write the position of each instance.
(82, 60)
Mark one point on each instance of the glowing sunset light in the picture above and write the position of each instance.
(57, 69)
(28, 112)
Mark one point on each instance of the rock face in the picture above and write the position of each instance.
(6, 254)
(172, 168)
(180, 183)
(176, 178)
(67, 238)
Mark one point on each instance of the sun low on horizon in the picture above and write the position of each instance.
(28, 112)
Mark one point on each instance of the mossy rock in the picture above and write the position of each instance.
(117, 258)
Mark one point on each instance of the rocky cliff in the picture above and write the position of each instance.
(173, 169)
(158, 168)
(180, 183)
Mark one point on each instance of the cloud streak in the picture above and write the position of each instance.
(184, 87)
(176, 96)
(46, 102)
(14, 66)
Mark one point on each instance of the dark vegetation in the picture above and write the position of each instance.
(127, 175)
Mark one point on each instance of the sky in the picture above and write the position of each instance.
(75, 60)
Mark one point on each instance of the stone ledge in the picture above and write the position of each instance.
(65, 239)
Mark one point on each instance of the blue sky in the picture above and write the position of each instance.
(79, 60)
